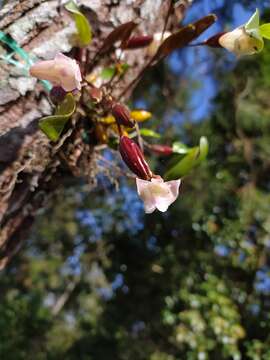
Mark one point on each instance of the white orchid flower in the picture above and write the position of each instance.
(157, 194)
(62, 71)
(246, 39)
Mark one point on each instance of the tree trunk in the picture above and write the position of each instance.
(30, 165)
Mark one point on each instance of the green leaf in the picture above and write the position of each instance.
(83, 27)
(149, 133)
(123, 68)
(53, 125)
(184, 166)
(194, 157)
(108, 73)
(204, 148)
(180, 148)
(254, 21)
(265, 31)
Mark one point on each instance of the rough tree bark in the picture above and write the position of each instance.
(27, 158)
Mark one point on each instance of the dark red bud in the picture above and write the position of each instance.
(137, 42)
(161, 149)
(57, 94)
(214, 40)
(134, 159)
(122, 115)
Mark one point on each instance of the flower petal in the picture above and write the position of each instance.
(174, 186)
(157, 193)
(44, 70)
(162, 204)
(145, 194)
(62, 71)
(254, 21)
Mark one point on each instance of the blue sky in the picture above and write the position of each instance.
(195, 63)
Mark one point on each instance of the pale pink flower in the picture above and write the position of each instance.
(62, 71)
(157, 194)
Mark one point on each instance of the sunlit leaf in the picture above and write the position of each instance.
(108, 120)
(121, 33)
(53, 125)
(149, 133)
(193, 158)
(180, 148)
(204, 148)
(265, 31)
(140, 115)
(83, 27)
(122, 68)
(108, 73)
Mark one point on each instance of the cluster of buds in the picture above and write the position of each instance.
(64, 73)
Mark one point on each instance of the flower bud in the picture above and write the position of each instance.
(95, 94)
(62, 71)
(137, 42)
(161, 149)
(122, 115)
(214, 40)
(242, 42)
(57, 94)
(134, 159)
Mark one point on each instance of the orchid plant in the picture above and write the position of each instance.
(82, 86)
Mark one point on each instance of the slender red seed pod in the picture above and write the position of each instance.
(214, 40)
(161, 149)
(137, 42)
(122, 115)
(134, 159)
